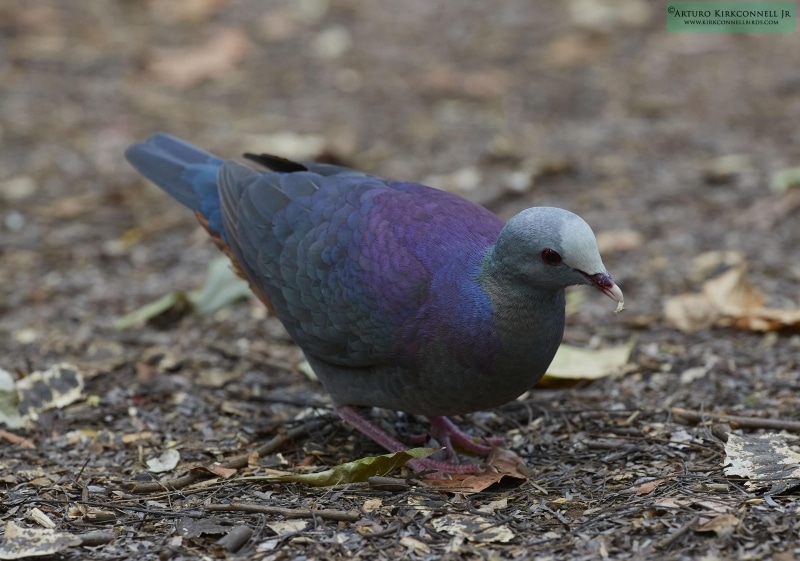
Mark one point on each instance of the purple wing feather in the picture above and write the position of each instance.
(356, 268)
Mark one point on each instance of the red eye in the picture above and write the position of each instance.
(551, 257)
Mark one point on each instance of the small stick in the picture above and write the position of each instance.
(339, 515)
(234, 463)
(96, 537)
(674, 536)
(746, 422)
(20, 441)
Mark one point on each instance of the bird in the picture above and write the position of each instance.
(400, 296)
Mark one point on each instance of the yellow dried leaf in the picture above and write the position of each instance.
(352, 472)
(576, 363)
(728, 300)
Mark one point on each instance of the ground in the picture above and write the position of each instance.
(665, 143)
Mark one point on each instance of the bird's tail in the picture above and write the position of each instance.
(185, 172)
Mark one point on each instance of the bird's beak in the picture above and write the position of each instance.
(605, 284)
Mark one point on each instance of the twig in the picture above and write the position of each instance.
(674, 536)
(338, 515)
(236, 538)
(747, 422)
(558, 516)
(236, 462)
(96, 537)
(117, 506)
(388, 531)
(20, 441)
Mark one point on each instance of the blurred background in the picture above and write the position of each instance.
(586, 104)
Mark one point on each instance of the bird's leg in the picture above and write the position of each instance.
(447, 433)
(352, 417)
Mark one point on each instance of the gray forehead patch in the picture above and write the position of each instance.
(580, 245)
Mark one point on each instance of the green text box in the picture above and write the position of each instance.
(731, 17)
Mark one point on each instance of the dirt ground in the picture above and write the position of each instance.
(665, 143)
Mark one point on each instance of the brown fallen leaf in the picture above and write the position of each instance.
(185, 67)
(722, 525)
(216, 469)
(414, 545)
(690, 312)
(20, 441)
(728, 300)
(502, 463)
(649, 487)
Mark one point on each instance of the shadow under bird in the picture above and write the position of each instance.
(401, 296)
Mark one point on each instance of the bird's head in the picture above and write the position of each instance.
(552, 248)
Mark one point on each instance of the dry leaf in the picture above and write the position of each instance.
(501, 463)
(221, 471)
(413, 544)
(283, 527)
(764, 459)
(222, 288)
(352, 472)
(490, 507)
(196, 527)
(722, 525)
(690, 312)
(185, 67)
(649, 487)
(167, 461)
(474, 528)
(576, 363)
(728, 300)
(22, 542)
(54, 388)
(711, 263)
(371, 505)
(732, 293)
(40, 518)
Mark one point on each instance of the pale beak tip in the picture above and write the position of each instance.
(616, 293)
(605, 283)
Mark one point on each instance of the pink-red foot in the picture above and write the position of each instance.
(448, 434)
(444, 430)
